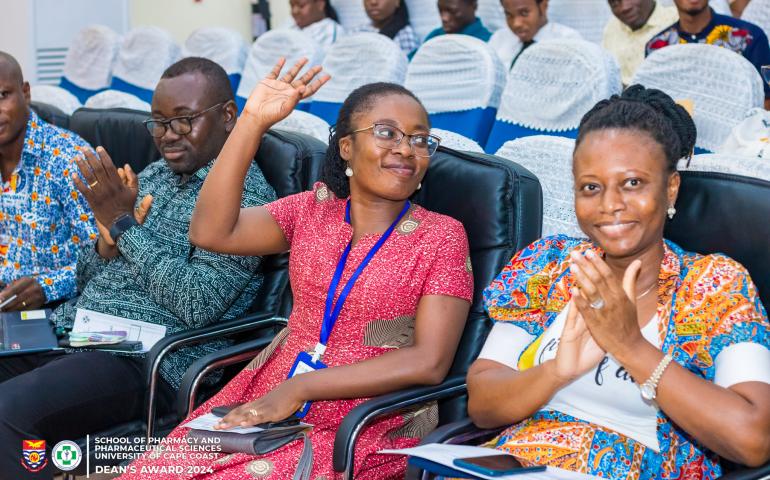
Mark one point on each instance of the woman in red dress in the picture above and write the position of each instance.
(401, 321)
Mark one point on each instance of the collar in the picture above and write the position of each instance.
(715, 18)
(34, 138)
(472, 27)
(657, 21)
(545, 32)
(199, 176)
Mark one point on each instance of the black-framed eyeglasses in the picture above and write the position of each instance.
(181, 125)
(388, 136)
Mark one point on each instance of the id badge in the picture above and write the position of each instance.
(304, 364)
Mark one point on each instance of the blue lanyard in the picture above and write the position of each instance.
(332, 310)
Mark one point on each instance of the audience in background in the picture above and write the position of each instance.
(459, 16)
(143, 267)
(634, 23)
(391, 18)
(318, 19)
(738, 6)
(43, 220)
(528, 23)
(698, 23)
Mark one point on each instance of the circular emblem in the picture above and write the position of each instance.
(66, 455)
(322, 194)
(259, 468)
(408, 226)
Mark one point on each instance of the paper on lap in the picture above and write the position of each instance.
(147, 333)
(445, 454)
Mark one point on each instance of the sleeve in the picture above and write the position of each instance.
(520, 292)
(288, 212)
(88, 266)
(60, 284)
(451, 272)
(505, 344)
(742, 362)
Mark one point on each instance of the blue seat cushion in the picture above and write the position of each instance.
(474, 124)
(326, 110)
(81, 93)
(123, 86)
(235, 80)
(504, 131)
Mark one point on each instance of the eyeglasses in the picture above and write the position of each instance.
(181, 125)
(388, 136)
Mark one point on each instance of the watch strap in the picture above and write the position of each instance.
(121, 225)
(658, 372)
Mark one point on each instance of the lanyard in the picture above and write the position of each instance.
(332, 310)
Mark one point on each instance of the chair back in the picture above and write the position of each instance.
(423, 17)
(58, 97)
(588, 17)
(549, 89)
(89, 61)
(265, 52)
(491, 14)
(307, 123)
(51, 114)
(723, 86)
(726, 213)
(221, 45)
(550, 159)
(117, 99)
(144, 55)
(758, 13)
(501, 216)
(355, 60)
(455, 141)
(459, 79)
(351, 13)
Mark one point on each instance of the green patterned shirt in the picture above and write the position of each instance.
(159, 277)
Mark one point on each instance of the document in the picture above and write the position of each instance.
(147, 333)
(207, 422)
(445, 454)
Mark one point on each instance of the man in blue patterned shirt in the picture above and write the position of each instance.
(143, 267)
(43, 219)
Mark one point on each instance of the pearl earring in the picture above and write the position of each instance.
(349, 172)
(419, 185)
(671, 212)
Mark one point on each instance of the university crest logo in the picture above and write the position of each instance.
(33, 455)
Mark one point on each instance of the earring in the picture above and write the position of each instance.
(419, 185)
(671, 212)
(349, 172)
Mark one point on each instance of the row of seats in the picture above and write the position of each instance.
(506, 211)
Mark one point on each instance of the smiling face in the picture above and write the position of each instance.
(634, 13)
(307, 12)
(14, 103)
(456, 14)
(622, 190)
(188, 94)
(525, 17)
(391, 174)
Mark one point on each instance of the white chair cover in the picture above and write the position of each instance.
(758, 13)
(453, 73)
(722, 85)
(423, 16)
(491, 14)
(144, 54)
(307, 123)
(221, 45)
(269, 47)
(750, 137)
(553, 84)
(358, 59)
(56, 96)
(727, 163)
(550, 159)
(351, 13)
(455, 141)
(117, 99)
(589, 17)
(719, 6)
(91, 56)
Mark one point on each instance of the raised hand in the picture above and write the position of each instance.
(578, 352)
(105, 191)
(274, 98)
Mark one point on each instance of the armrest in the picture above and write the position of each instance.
(748, 473)
(355, 421)
(170, 343)
(187, 393)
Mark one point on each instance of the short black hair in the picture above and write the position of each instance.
(360, 99)
(648, 110)
(219, 84)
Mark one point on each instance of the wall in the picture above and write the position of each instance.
(181, 17)
(15, 34)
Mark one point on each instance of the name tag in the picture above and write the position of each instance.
(304, 364)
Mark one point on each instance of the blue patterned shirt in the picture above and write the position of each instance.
(44, 219)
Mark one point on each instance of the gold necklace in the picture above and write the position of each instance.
(647, 291)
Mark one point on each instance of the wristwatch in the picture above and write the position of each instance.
(121, 225)
(649, 389)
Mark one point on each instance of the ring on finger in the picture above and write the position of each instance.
(93, 184)
(254, 412)
(597, 304)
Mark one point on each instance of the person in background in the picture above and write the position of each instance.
(43, 220)
(528, 23)
(317, 19)
(634, 23)
(459, 16)
(738, 6)
(391, 18)
(698, 23)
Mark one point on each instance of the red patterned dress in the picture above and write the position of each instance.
(427, 254)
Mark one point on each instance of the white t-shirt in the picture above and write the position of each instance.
(607, 395)
(507, 45)
(325, 32)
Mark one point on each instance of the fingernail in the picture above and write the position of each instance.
(590, 254)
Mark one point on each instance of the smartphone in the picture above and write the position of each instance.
(290, 421)
(495, 465)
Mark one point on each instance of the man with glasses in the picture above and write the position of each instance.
(142, 268)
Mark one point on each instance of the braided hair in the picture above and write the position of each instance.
(397, 21)
(647, 110)
(359, 100)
